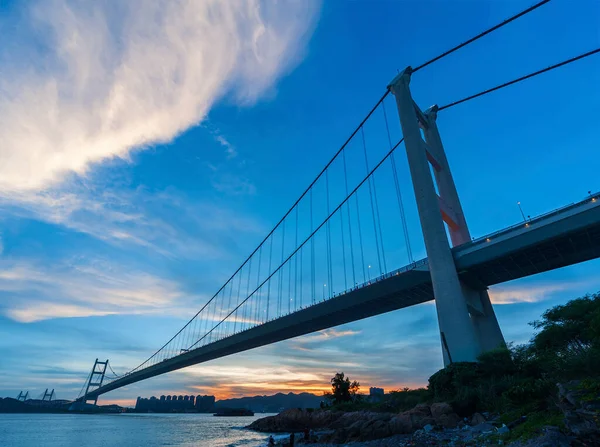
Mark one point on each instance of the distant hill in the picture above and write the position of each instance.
(10, 405)
(272, 404)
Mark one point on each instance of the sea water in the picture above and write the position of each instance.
(128, 430)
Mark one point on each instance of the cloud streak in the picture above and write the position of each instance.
(35, 293)
(116, 76)
(529, 294)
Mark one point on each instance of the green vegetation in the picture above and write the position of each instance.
(516, 380)
(342, 390)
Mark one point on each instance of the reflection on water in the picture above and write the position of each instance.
(131, 430)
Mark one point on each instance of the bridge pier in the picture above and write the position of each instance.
(466, 318)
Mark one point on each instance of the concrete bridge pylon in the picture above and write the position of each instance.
(468, 324)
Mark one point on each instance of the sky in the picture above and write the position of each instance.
(146, 149)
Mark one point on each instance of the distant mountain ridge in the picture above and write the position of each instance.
(272, 404)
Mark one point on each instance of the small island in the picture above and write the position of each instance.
(234, 412)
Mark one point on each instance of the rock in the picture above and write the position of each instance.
(448, 420)
(444, 415)
(375, 430)
(295, 420)
(580, 419)
(439, 409)
(477, 419)
(420, 416)
(485, 427)
(569, 392)
(401, 424)
(550, 437)
(428, 428)
(503, 430)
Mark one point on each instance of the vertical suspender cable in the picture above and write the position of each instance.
(301, 270)
(247, 310)
(230, 294)
(379, 225)
(257, 311)
(343, 250)
(398, 191)
(349, 220)
(371, 197)
(362, 252)
(279, 306)
(289, 294)
(296, 264)
(269, 286)
(328, 232)
(312, 250)
(236, 316)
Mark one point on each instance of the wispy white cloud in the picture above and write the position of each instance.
(129, 218)
(328, 335)
(233, 184)
(33, 292)
(229, 149)
(114, 76)
(528, 293)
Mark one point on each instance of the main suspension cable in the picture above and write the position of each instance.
(482, 34)
(309, 237)
(522, 78)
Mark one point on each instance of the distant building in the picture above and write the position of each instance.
(376, 394)
(205, 403)
(174, 404)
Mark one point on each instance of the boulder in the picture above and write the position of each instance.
(580, 418)
(477, 419)
(448, 420)
(444, 415)
(380, 429)
(550, 437)
(375, 429)
(401, 424)
(295, 420)
(420, 416)
(485, 427)
(440, 408)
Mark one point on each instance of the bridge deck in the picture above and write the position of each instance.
(567, 236)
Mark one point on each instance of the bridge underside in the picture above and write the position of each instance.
(543, 244)
(534, 249)
(395, 292)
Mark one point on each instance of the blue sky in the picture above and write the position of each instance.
(144, 153)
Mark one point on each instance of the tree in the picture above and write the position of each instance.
(567, 342)
(342, 390)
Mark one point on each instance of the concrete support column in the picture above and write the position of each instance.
(459, 340)
(486, 326)
(445, 182)
(485, 323)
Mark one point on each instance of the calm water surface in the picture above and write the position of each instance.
(130, 430)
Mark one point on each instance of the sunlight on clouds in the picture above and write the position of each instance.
(227, 381)
(128, 217)
(528, 294)
(328, 334)
(37, 293)
(123, 75)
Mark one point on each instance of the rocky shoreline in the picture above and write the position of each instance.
(436, 424)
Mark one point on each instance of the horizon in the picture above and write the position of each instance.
(141, 162)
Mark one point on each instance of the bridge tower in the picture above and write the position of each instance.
(466, 318)
(48, 395)
(23, 396)
(96, 379)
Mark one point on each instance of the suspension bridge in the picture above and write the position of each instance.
(343, 252)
